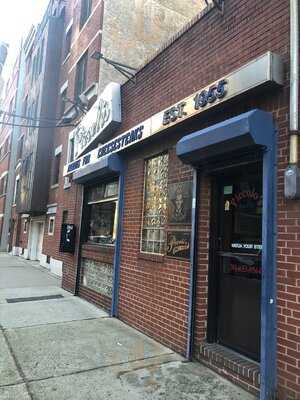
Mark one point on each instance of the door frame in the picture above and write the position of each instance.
(33, 238)
(251, 130)
(213, 260)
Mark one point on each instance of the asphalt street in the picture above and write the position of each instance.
(54, 346)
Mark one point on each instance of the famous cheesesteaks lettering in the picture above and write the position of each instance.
(120, 142)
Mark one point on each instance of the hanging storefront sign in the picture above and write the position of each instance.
(102, 118)
(262, 72)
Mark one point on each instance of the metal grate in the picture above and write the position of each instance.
(37, 298)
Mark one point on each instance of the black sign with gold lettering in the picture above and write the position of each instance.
(178, 244)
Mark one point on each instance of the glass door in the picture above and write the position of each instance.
(239, 261)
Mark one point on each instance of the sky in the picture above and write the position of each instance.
(16, 19)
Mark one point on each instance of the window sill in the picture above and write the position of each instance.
(55, 186)
(66, 58)
(98, 249)
(67, 185)
(157, 258)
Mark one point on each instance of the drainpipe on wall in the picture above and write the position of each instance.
(292, 173)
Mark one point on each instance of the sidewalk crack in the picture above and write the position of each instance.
(18, 366)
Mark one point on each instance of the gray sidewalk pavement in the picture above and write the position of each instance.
(63, 348)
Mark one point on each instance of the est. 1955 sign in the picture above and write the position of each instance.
(102, 118)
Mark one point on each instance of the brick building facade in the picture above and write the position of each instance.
(175, 210)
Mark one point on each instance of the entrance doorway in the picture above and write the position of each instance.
(36, 240)
(235, 270)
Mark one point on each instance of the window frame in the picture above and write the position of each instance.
(143, 206)
(85, 12)
(25, 226)
(80, 84)
(68, 41)
(56, 170)
(51, 222)
(112, 199)
(17, 189)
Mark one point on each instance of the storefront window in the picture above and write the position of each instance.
(102, 203)
(155, 205)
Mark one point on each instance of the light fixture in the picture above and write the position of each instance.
(125, 70)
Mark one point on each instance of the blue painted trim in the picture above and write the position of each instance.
(246, 130)
(249, 130)
(193, 268)
(117, 256)
(268, 364)
(109, 165)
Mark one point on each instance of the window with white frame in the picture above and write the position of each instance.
(56, 165)
(25, 225)
(71, 147)
(155, 205)
(68, 41)
(86, 9)
(17, 189)
(3, 183)
(51, 225)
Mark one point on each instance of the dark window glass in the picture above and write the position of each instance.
(3, 184)
(25, 225)
(63, 102)
(102, 216)
(102, 203)
(71, 150)
(68, 42)
(86, 8)
(17, 190)
(20, 148)
(56, 169)
(80, 81)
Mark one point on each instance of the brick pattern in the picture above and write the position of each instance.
(238, 369)
(153, 289)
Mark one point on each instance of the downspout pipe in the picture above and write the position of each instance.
(294, 75)
(292, 173)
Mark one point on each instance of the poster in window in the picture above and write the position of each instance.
(180, 203)
(178, 244)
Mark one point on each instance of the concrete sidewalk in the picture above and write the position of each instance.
(64, 348)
